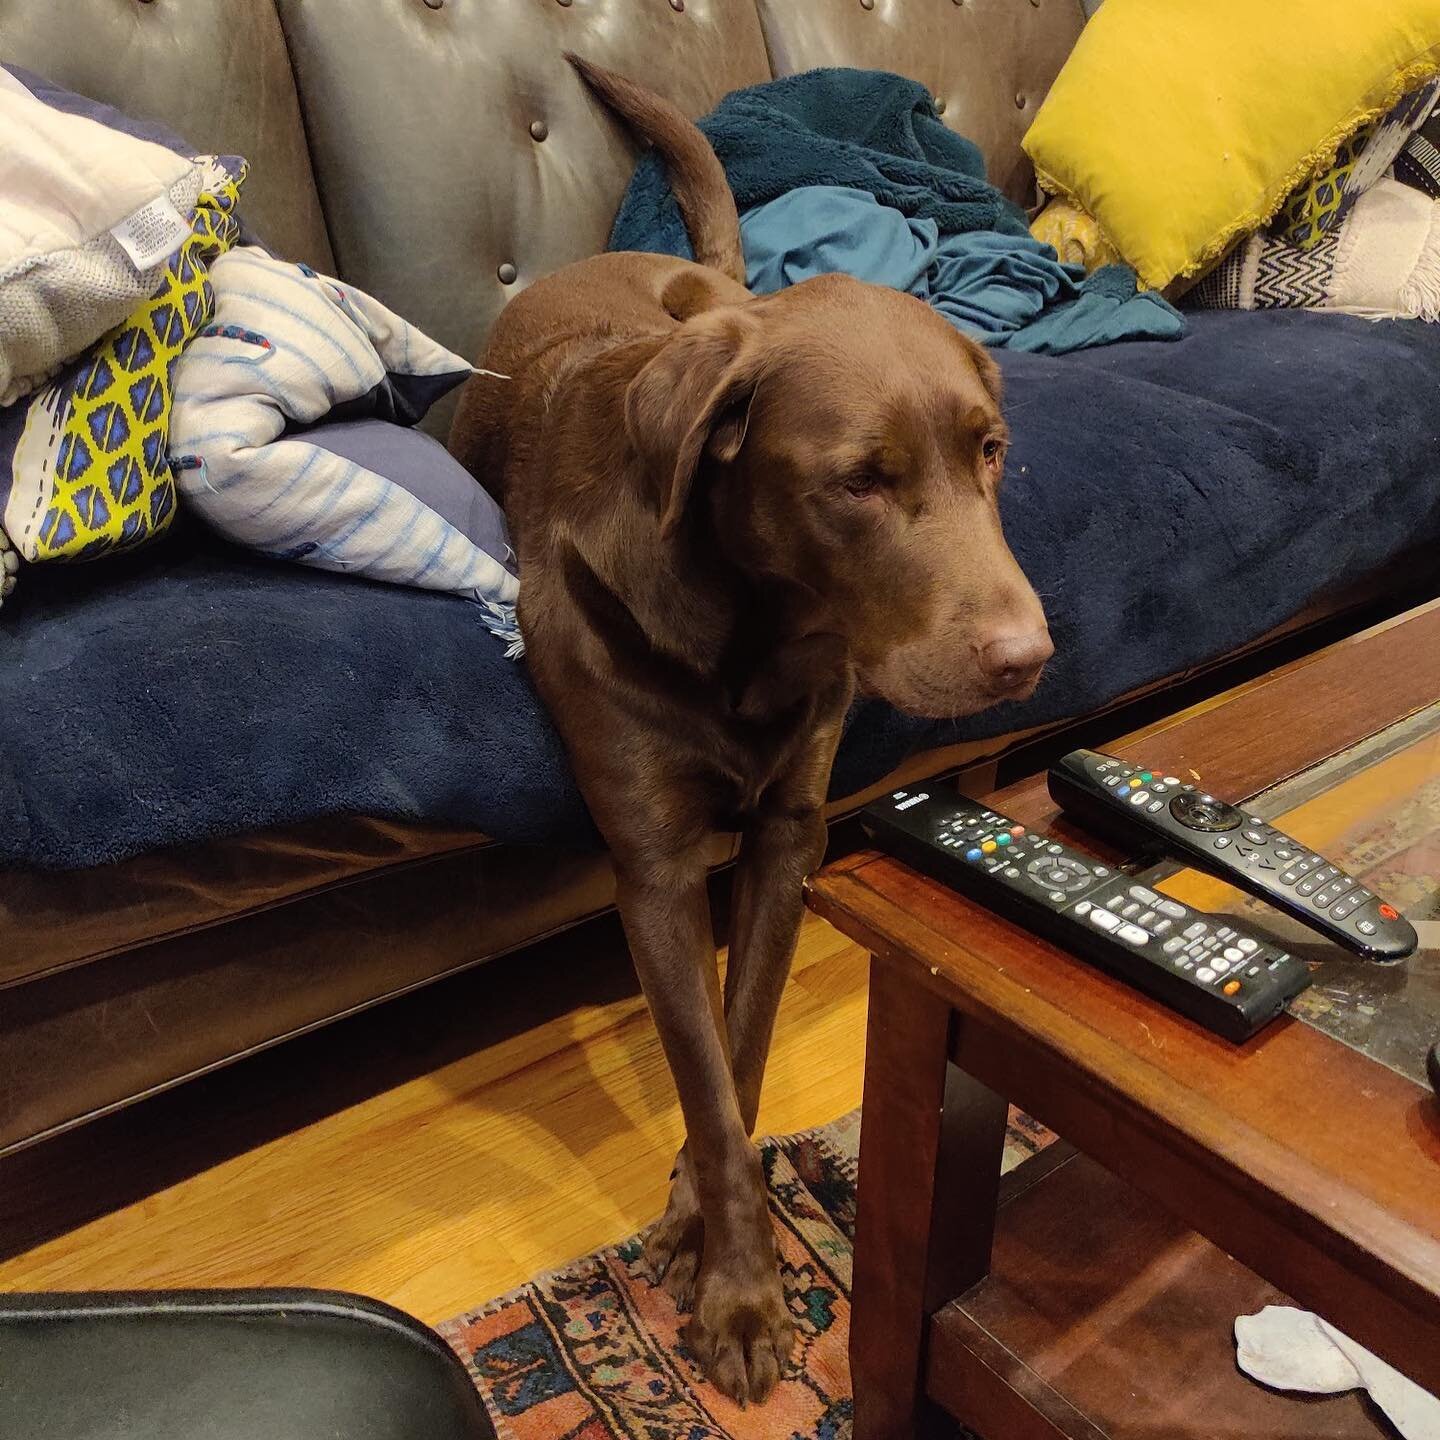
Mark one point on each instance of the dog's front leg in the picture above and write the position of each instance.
(740, 1330)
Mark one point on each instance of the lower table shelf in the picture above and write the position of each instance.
(1103, 1318)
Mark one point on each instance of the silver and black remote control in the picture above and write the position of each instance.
(1142, 809)
(1227, 981)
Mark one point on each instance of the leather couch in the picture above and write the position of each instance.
(442, 155)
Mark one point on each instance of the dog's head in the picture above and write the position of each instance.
(845, 442)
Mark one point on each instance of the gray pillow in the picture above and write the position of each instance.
(424, 467)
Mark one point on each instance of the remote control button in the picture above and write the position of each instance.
(1010, 873)
(1343, 884)
(1114, 902)
(1345, 909)
(1133, 783)
(1283, 852)
(1112, 779)
(1147, 917)
(1219, 964)
(1160, 926)
(973, 854)
(1205, 812)
(1231, 987)
(1155, 807)
(1147, 776)
(1205, 973)
(1225, 933)
(1172, 908)
(988, 847)
(1084, 908)
(1288, 877)
(1221, 841)
(1139, 797)
(1308, 886)
(1105, 919)
(1101, 870)
(1253, 971)
(1016, 831)
(1056, 849)
(1057, 896)
(1365, 927)
(1002, 839)
(1174, 945)
(1133, 934)
(1197, 929)
(1139, 892)
(1389, 912)
(1233, 952)
(1247, 945)
(1330, 872)
(1326, 896)
(1133, 908)
(1254, 836)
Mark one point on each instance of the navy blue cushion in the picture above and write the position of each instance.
(1170, 502)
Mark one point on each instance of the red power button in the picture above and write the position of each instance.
(1389, 912)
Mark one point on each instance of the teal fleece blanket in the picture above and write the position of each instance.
(853, 170)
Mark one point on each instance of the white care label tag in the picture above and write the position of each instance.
(154, 232)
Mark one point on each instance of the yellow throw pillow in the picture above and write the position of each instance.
(1181, 125)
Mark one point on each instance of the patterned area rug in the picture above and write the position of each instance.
(593, 1351)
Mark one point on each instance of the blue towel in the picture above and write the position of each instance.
(1000, 289)
(800, 143)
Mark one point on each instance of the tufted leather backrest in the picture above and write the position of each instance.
(215, 71)
(988, 63)
(490, 166)
(448, 156)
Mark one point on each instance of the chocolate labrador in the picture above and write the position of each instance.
(733, 514)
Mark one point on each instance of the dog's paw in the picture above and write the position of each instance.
(741, 1332)
(676, 1241)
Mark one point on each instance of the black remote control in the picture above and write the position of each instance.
(1229, 982)
(1144, 809)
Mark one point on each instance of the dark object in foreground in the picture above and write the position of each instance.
(228, 1365)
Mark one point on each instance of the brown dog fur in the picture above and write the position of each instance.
(734, 514)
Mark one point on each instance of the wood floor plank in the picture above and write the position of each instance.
(461, 1181)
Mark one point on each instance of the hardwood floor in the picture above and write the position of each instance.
(391, 1156)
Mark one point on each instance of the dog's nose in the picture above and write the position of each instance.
(1012, 663)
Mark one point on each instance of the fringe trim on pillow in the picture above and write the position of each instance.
(499, 620)
(1409, 78)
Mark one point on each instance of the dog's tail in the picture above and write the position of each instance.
(696, 175)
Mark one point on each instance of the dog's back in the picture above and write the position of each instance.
(606, 299)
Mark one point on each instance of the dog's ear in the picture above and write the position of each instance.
(988, 370)
(691, 400)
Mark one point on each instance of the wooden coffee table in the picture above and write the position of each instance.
(1092, 1293)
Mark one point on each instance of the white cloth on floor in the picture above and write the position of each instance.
(1296, 1350)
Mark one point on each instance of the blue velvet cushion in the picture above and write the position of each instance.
(1170, 502)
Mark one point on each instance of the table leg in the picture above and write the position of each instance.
(931, 1143)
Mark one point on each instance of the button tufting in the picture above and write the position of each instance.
(867, 4)
(1019, 102)
(939, 104)
(539, 130)
(678, 6)
(507, 273)
(434, 4)
(565, 3)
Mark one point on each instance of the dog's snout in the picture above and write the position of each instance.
(1012, 662)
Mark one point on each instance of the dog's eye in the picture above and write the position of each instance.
(862, 483)
(993, 452)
